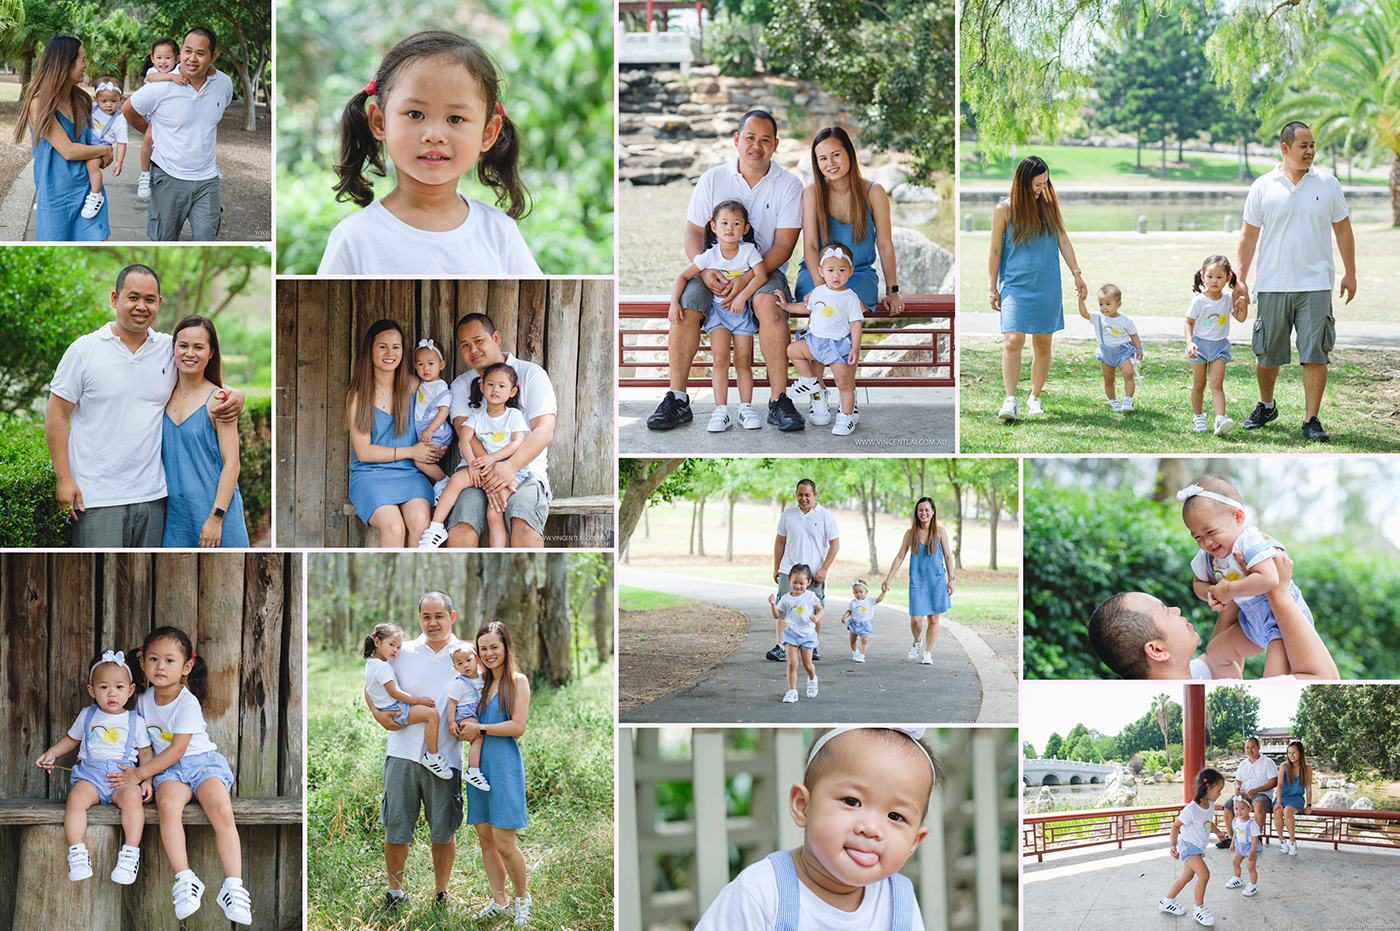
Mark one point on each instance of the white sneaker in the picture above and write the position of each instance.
(1171, 907)
(720, 420)
(811, 688)
(748, 417)
(1293, 848)
(819, 412)
(143, 186)
(186, 894)
(1198, 424)
(236, 902)
(1203, 916)
(128, 862)
(845, 425)
(477, 780)
(1115, 405)
(860, 657)
(1283, 846)
(91, 204)
(927, 660)
(1234, 883)
(1127, 402)
(79, 863)
(803, 387)
(790, 697)
(1008, 409)
(855, 411)
(914, 650)
(1033, 408)
(855, 656)
(1250, 889)
(522, 911)
(491, 909)
(1223, 425)
(432, 538)
(436, 765)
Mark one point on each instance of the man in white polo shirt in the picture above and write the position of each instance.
(807, 534)
(527, 509)
(185, 119)
(1255, 781)
(773, 197)
(111, 388)
(423, 668)
(1287, 216)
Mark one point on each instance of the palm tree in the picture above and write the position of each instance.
(1354, 95)
(1162, 710)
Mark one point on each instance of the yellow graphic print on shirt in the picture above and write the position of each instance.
(496, 437)
(823, 308)
(1218, 318)
(98, 732)
(156, 732)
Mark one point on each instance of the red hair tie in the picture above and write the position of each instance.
(500, 111)
(193, 654)
(370, 89)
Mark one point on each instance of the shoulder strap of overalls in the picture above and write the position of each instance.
(87, 723)
(789, 892)
(1098, 327)
(901, 902)
(127, 756)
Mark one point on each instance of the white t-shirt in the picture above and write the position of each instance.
(1250, 549)
(536, 399)
(181, 716)
(422, 672)
(1255, 774)
(744, 259)
(495, 432)
(800, 612)
(808, 536)
(750, 903)
(1112, 331)
(106, 738)
(1244, 833)
(1200, 669)
(1212, 316)
(465, 691)
(378, 672)
(108, 128)
(862, 609)
(833, 312)
(186, 124)
(119, 398)
(1195, 823)
(373, 241)
(774, 203)
(428, 398)
(1294, 252)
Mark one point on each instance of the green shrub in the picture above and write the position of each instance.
(729, 43)
(29, 515)
(255, 461)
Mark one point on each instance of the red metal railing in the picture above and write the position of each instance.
(932, 345)
(1072, 830)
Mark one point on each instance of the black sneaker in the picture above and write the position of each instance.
(440, 900)
(777, 654)
(392, 903)
(671, 412)
(1221, 845)
(783, 415)
(1312, 430)
(816, 654)
(1261, 415)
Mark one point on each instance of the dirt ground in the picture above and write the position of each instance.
(661, 649)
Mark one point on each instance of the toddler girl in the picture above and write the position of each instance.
(160, 65)
(1233, 572)
(382, 648)
(463, 696)
(1208, 340)
(431, 404)
(1245, 831)
(108, 128)
(832, 337)
(187, 765)
(1194, 825)
(861, 806)
(438, 113)
(858, 616)
(801, 612)
(107, 737)
(496, 431)
(1119, 346)
(730, 248)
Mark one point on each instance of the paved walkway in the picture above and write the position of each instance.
(967, 683)
(893, 421)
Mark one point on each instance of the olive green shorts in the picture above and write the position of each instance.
(1282, 312)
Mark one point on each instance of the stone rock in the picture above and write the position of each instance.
(647, 176)
(1364, 804)
(1350, 787)
(1335, 800)
(1334, 783)
(924, 266)
(913, 194)
(1045, 794)
(1148, 781)
(888, 177)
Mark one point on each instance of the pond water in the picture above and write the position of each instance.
(1165, 215)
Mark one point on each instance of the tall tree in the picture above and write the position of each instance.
(641, 479)
(1163, 709)
(555, 628)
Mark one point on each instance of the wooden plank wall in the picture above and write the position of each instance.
(243, 613)
(565, 325)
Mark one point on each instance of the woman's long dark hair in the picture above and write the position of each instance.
(505, 692)
(498, 167)
(932, 526)
(738, 207)
(1204, 780)
(150, 63)
(198, 679)
(361, 392)
(1302, 768)
(860, 195)
(213, 369)
(46, 87)
(1031, 216)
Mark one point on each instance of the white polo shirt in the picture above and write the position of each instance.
(1254, 774)
(536, 399)
(775, 203)
(808, 536)
(186, 124)
(423, 673)
(1294, 252)
(118, 399)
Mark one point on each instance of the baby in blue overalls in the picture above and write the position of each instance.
(107, 737)
(463, 697)
(846, 872)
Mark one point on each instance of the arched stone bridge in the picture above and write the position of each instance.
(1063, 772)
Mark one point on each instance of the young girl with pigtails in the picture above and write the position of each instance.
(187, 764)
(1190, 831)
(434, 105)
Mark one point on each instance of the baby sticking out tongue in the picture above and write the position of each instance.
(863, 857)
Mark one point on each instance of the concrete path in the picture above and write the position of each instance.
(903, 421)
(967, 683)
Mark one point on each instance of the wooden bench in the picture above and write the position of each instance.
(584, 522)
(31, 811)
(920, 347)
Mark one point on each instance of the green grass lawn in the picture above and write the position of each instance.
(1078, 420)
(568, 847)
(639, 599)
(1072, 164)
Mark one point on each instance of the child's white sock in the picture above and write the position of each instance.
(435, 525)
(145, 174)
(474, 770)
(78, 846)
(231, 881)
(185, 874)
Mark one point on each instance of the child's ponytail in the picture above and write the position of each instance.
(478, 397)
(379, 633)
(1200, 283)
(737, 206)
(198, 679)
(358, 147)
(1207, 778)
(499, 169)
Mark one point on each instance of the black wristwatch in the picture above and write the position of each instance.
(483, 732)
(892, 289)
(219, 513)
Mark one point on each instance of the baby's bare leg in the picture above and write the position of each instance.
(94, 173)
(80, 798)
(1232, 646)
(461, 480)
(147, 142)
(1276, 659)
(496, 529)
(432, 470)
(1129, 382)
(128, 799)
(474, 751)
(422, 714)
(1109, 373)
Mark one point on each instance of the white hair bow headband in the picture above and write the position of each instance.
(1192, 491)
(829, 251)
(913, 733)
(429, 344)
(110, 656)
(108, 86)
